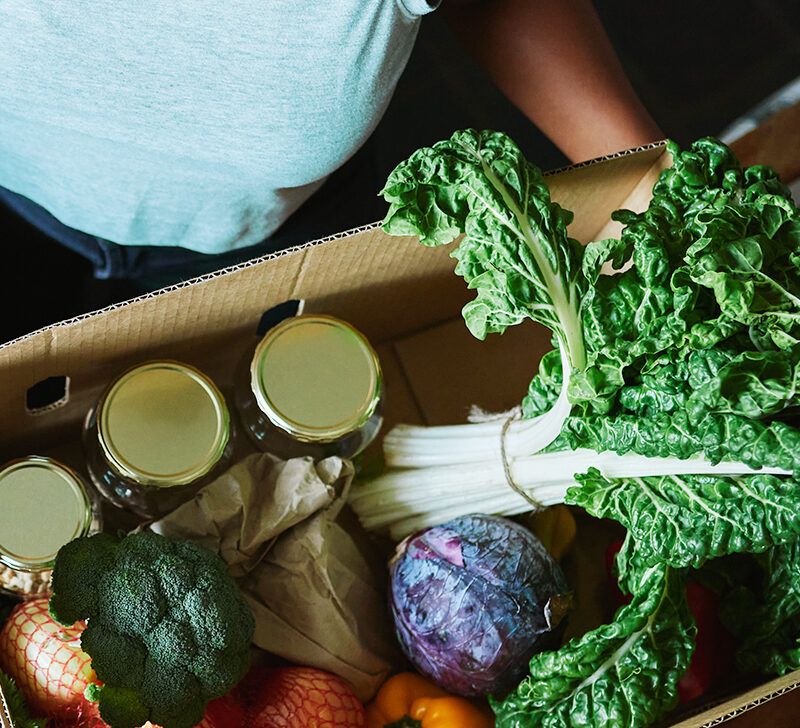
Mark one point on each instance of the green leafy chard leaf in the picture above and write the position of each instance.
(544, 387)
(766, 621)
(753, 384)
(515, 251)
(722, 380)
(621, 674)
(718, 437)
(613, 252)
(714, 256)
(684, 520)
(747, 254)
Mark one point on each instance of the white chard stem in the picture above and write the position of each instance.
(410, 446)
(438, 473)
(403, 501)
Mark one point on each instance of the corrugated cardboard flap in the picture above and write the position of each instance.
(742, 703)
(387, 286)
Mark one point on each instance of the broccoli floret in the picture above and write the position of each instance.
(175, 575)
(130, 598)
(179, 701)
(120, 707)
(116, 658)
(167, 629)
(207, 668)
(172, 638)
(89, 559)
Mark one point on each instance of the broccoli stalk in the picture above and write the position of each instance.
(167, 632)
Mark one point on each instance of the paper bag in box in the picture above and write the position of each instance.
(315, 599)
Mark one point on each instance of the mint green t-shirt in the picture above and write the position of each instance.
(190, 122)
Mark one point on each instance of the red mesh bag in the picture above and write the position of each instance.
(47, 662)
(298, 697)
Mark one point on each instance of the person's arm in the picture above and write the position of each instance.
(554, 61)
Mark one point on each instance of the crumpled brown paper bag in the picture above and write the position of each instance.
(314, 597)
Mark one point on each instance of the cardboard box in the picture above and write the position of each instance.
(404, 297)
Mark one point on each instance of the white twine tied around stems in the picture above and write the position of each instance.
(478, 415)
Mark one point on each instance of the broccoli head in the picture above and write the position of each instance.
(168, 629)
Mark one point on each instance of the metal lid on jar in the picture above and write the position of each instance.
(163, 424)
(43, 505)
(316, 377)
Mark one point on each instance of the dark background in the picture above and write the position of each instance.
(697, 67)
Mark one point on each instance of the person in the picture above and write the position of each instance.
(162, 140)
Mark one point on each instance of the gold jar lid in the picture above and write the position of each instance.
(163, 424)
(43, 505)
(316, 377)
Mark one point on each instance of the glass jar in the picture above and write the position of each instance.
(159, 433)
(312, 387)
(43, 505)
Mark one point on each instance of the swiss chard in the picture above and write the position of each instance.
(684, 520)
(719, 437)
(515, 252)
(621, 674)
(767, 619)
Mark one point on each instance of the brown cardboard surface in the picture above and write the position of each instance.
(449, 370)
(776, 143)
(637, 199)
(385, 286)
(594, 189)
(400, 404)
(403, 296)
(741, 704)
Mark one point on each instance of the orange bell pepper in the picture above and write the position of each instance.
(410, 697)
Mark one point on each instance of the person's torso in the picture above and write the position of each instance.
(192, 122)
